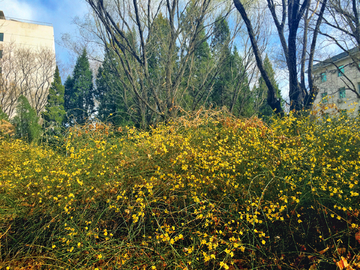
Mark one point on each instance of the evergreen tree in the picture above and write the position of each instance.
(26, 121)
(261, 92)
(231, 87)
(221, 36)
(220, 48)
(114, 100)
(79, 92)
(54, 110)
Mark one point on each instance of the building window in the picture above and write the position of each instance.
(342, 93)
(1, 36)
(323, 77)
(324, 97)
(1, 52)
(359, 87)
(341, 71)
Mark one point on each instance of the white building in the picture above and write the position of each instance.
(338, 81)
(27, 34)
(27, 62)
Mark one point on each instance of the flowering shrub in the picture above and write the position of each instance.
(206, 191)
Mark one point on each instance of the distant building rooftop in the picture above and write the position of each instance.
(2, 17)
(336, 58)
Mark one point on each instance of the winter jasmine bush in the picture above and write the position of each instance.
(205, 191)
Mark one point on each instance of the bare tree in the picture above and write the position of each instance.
(343, 29)
(288, 17)
(342, 16)
(27, 72)
(155, 42)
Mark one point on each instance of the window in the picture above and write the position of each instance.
(342, 93)
(1, 52)
(323, 77)
(324, 98)
(359, 87)
(341, 71)
(1, 36)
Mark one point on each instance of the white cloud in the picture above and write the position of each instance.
(18, 9)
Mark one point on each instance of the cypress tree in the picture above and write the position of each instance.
(79, 92)
(54, 110)
(26, 121)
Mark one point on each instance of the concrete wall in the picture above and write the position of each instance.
(27, 34)
(333, 84)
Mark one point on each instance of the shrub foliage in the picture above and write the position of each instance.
(206, 191)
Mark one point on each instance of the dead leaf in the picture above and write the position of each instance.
(342, 264)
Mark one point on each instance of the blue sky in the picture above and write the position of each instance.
(59, 13)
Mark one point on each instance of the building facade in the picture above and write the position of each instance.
(338, 82)
(26, 33)
(27, 62)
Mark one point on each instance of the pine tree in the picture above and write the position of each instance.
(54, 110)
(26, 121)
(79, 92)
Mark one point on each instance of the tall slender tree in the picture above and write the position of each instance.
(79, 92)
